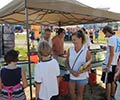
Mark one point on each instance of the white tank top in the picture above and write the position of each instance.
(80, 61)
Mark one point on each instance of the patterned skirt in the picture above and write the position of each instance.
(17, 94)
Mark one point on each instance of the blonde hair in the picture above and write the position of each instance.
(44, 49)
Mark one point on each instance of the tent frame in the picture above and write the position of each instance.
(28, 47)
(96, 15)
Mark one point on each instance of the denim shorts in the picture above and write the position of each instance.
(82, 82)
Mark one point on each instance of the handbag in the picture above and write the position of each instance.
(66, 77)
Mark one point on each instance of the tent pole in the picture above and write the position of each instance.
(3, 49)
(59, 24)
(28, 48)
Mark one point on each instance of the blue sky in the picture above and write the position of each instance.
(114, 5)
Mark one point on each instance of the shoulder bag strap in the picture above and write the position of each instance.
(76, 59)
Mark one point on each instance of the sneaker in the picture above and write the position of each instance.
(113, 98)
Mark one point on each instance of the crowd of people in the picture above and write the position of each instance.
(93, 34)
(47, 72)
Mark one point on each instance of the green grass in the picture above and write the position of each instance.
(21, 37)
(23, 53)
(22, 48)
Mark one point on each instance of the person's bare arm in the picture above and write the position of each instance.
(54, 48)
(0, 81)
(88, 58)
(116, 76)
(59, 78)
(24, 79)
(67, 61)
(110, 58)
(37, 89)
(0, 84)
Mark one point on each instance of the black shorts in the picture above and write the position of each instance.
(54, 97)
(110, 77)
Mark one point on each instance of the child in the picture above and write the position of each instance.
(46, 74)
(10, 78)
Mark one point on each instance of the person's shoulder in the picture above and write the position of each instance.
(112, 40)
(55, 37)
(3, 68)
(39, 66)
(112, 37)
(117, 37)
(71, 48)
(54, 60)
(50, 40)
(20, 68)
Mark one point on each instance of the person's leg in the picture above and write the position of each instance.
(117, 93)
(108, 91)
(113, 89)
(109, 85)
(80, 91)
(72, 86)
(80, 88)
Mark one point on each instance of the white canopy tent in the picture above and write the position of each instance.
(53, 12)
(57, 12)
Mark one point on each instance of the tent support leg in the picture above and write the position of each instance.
(28, 48)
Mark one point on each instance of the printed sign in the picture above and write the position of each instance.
(8, 37)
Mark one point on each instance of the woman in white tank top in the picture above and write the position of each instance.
(78, 78)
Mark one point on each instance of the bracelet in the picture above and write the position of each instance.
(82, 71)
